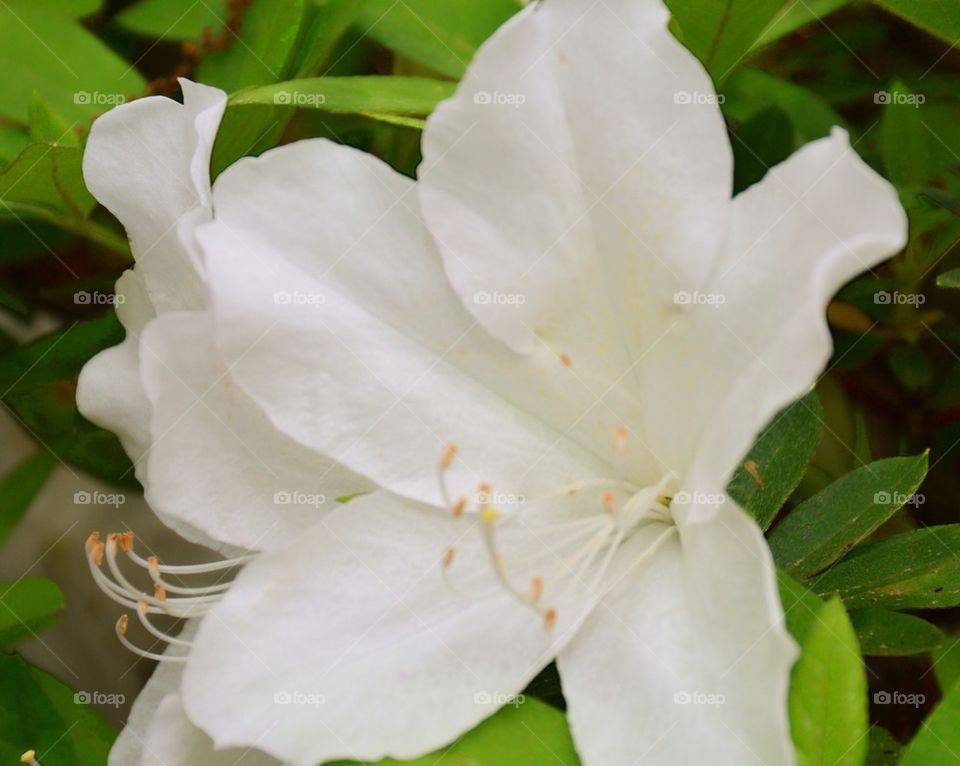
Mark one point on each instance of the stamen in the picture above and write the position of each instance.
(550, 618)
(448, 555)
(609, 502)
(620, 439)
(142, 610)
(537, 588)
(566, 360)
(459, 506)
(121, 631)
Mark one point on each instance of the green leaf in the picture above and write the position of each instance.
(800, 605)
(940, 18)
(946, 663)
(914, 570)
(371, 96)
(57, 356)
(904, 139)
(441, 34)
(883, 633)
(19, 486)
(765, 140)
(828, 694)
(45, 181)
(27, 606)
(259, 54)
(884, 749)
(823, 528)
(12, 303)
(780, 457)
(173, 19)
(937, 743)
(13, 140)
(911, 366)
(949, 279)
(721, 32)
(38, 712)
(532, 733)
(76, 9)
(325, 24)
(46, 125)
(68, 66)
(797, 14)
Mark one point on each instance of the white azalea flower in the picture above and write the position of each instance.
(571, 296)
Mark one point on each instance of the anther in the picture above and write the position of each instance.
(30, 758)
(459, 506)
(122, 625)
(609, 502)
(159, 592)
(620, 438)
(448, 555)
(566, 360)
(126, 541)
(550, 618)
(537, 588)
(448, 456)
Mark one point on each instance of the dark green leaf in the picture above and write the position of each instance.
(780, 456)
(27, 606)
(914, 570)
(527, 734)
(800, 605)
(765, 140)
(883, 633)
(905, 140)
(13, 303)
(911, 366)
(941, 18)
(946, 663)
(884, 749)
(797, 14)
(828, 694)
(937, 743)
(38, 712)
(76, 9)
(173, 19)
(826, 526)
(949, 279)
(19, 486)
(441, 34)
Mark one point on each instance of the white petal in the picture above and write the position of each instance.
(702, 619)
(352, 643)
(594, 195)
(334, 314)
(109, 390)
(148, 163)
(812, 224)
(216, 464)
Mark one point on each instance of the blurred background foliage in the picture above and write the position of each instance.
(868, 462)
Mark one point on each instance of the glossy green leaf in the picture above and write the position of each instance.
(13, 140)
(45, 181)
(883, 633)
(914, 570)
(528, 734)
(949, 279)
(797, 14)
(38, 712)
(937, 743)
(325, 24)
(884, 750)
(20, 485)
(780, 456)
(722, 32)
(441, 34)
(173, 19)
(946, 663)
(27, 606)
(800, 605)
(828, 694)
(904, 139)
(938, 17)
(371, 96)
(260, 53)
(68, 66)
(47, 126)
(76, 9)
(823, 528)
(765, 140)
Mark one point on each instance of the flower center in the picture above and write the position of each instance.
(173, 599)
